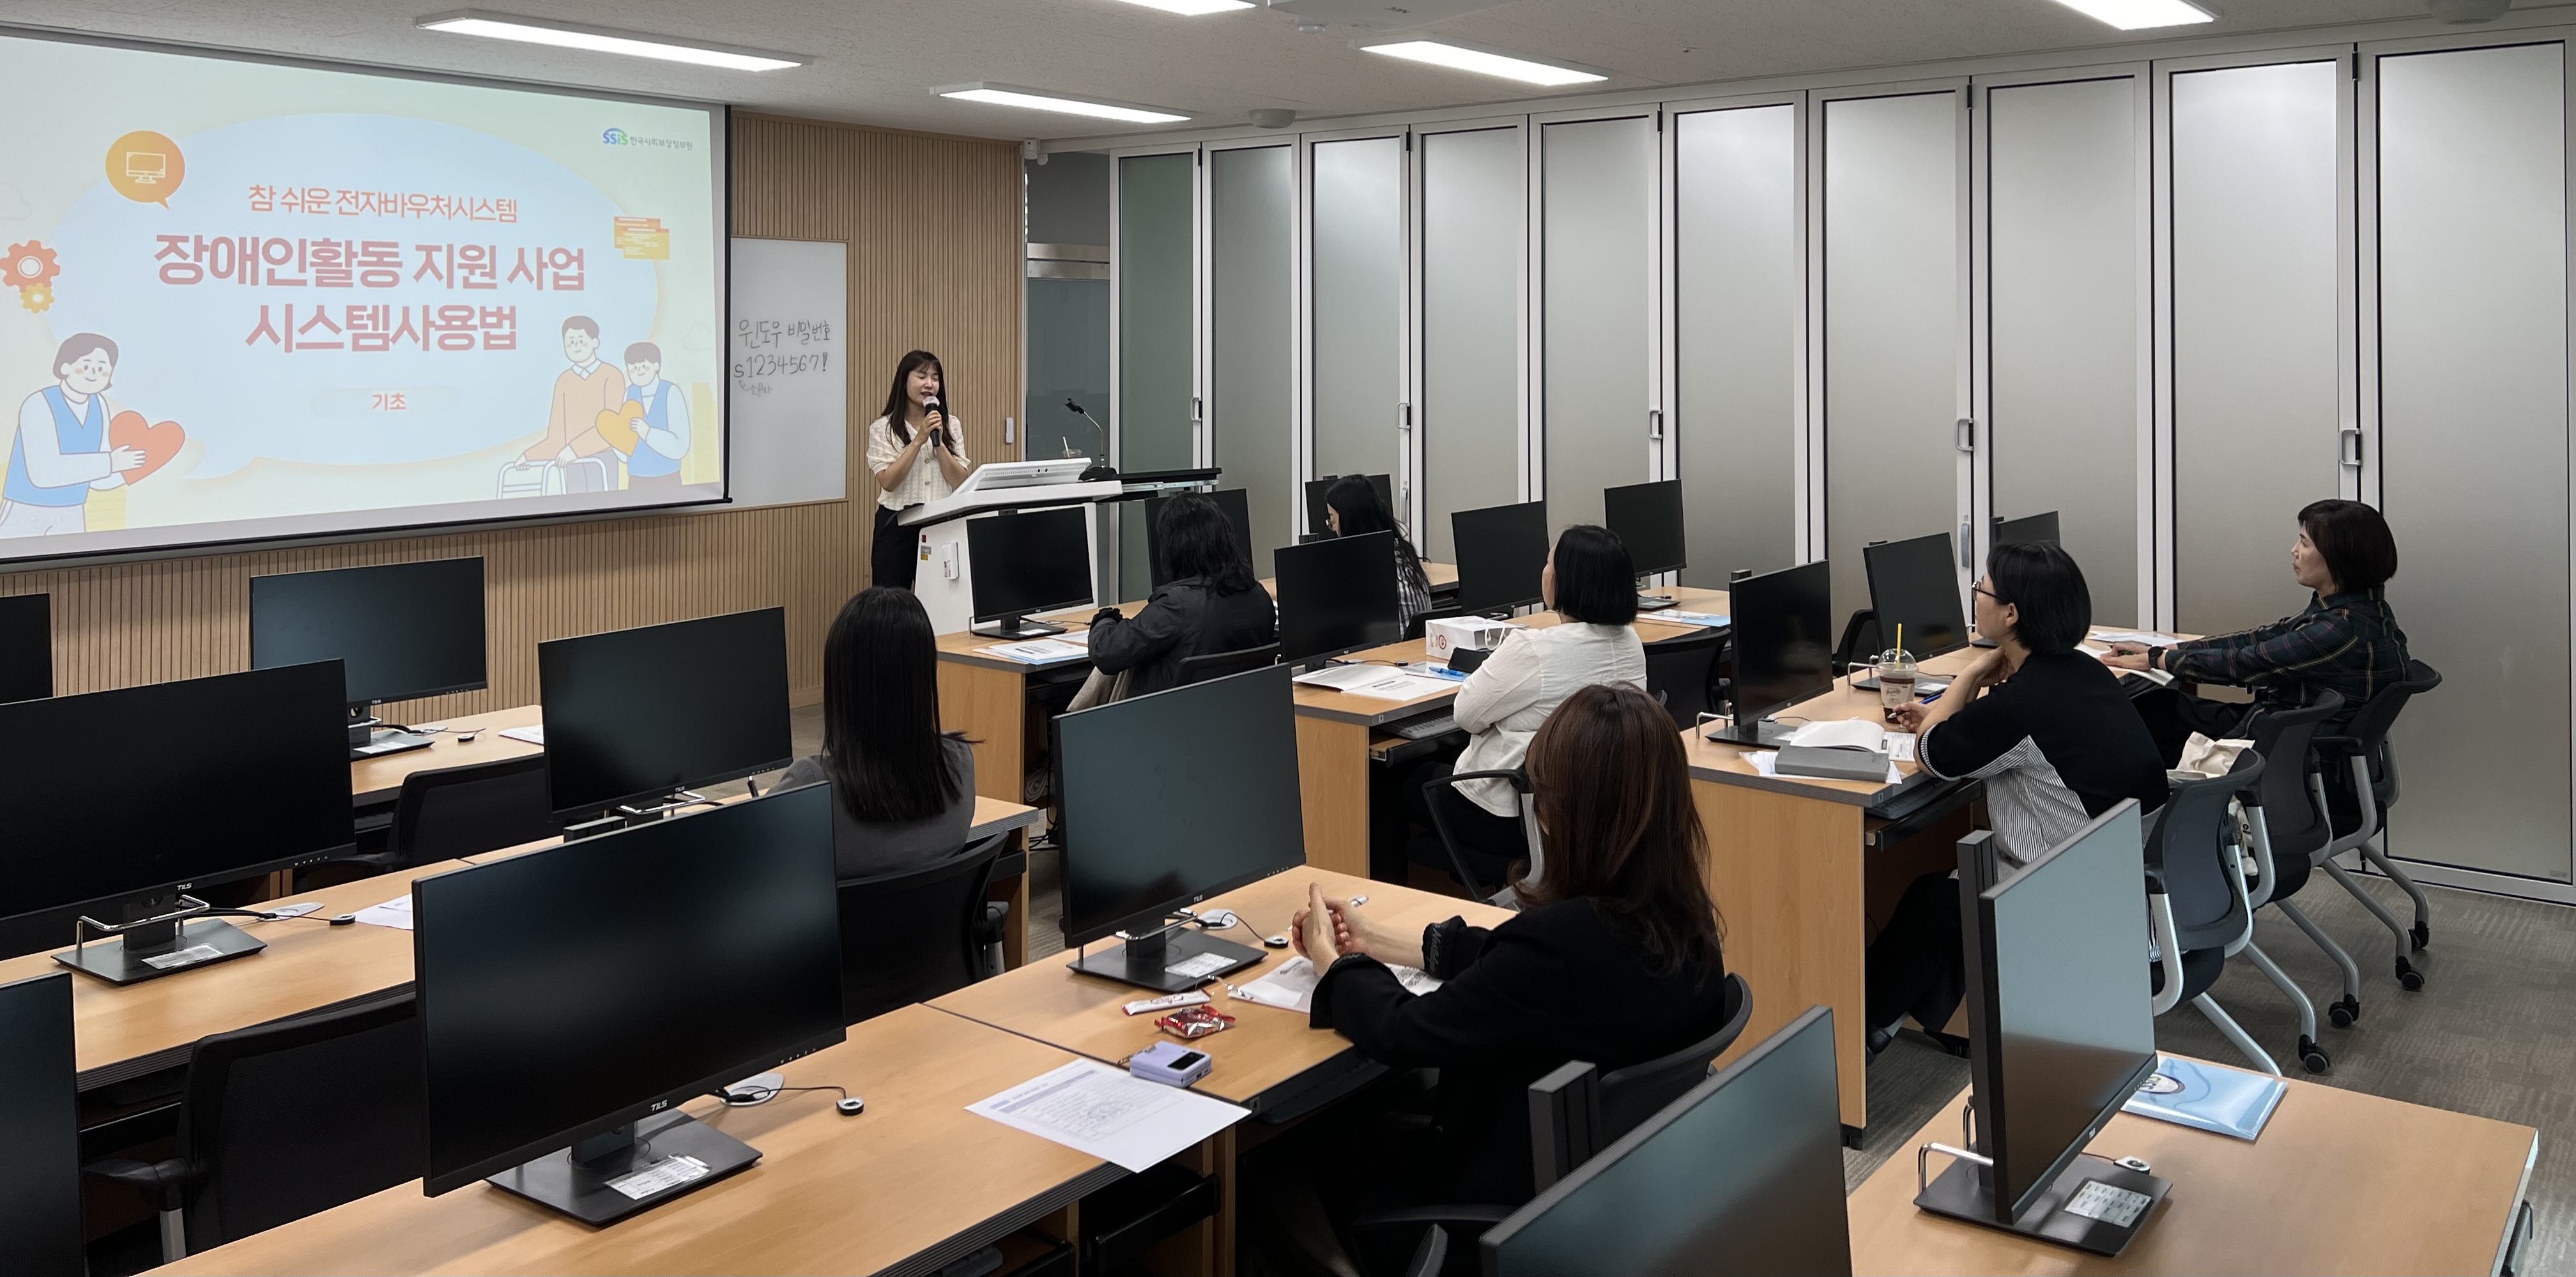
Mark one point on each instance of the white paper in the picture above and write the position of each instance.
(1840, 733)
(394, 913)
(1900, 747)
(1110, 1114)
(533, 735)
(2159, 677)
(189, 956)
(1766, 763)
(1039, 651)
(1713, 620)
(670, 1172)
(1200, 967)
(2145, 637)
(1400, 686)
(1292, 986)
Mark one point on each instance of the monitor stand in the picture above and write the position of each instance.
(1169, 961)
(150, 947)
(1964, 1192)
(1017, 627)
(635, 1167)
(1763, 734)
(370, 738)
(1653, 602)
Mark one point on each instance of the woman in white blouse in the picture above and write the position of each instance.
(915, 420)
(1592, 584)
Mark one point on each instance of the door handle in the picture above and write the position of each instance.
(1967, 437)
(2348, 447)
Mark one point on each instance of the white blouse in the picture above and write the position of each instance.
(926, 483)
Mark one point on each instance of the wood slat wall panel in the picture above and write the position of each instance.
(933, 225)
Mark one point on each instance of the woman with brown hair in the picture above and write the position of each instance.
(1614, 957)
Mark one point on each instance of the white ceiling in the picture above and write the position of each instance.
(875, 61)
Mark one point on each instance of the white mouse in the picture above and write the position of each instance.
(851, 1107)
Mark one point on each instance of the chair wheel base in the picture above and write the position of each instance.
(2421, 934)
(2313, 1056)
(2408, 978)
(2344, 1011)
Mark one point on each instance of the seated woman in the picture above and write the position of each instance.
(1589, 582)
(1210, 604)
(2056, 741)
(904, 790)
(1614, 957)
(2346, 641)
(1352, 509)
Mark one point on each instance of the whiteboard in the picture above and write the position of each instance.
(790, 382)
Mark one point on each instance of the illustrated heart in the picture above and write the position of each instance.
(617, 425)
(158, 443)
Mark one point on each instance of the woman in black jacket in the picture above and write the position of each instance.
(1211, 603)
(1614, 957)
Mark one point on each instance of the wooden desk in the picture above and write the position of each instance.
(309, 965)
(913, 1183)
(2340, 1182)
(379, 780)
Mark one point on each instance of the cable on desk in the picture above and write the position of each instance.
(759, 1095)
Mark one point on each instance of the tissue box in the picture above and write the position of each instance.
(1474, 633)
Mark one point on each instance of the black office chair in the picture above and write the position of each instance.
(911, 936)
(1199, 669)
(1862, 642)
(284, 1120)
(1575, 1112)
(1681, 672)
(2196, 902)
(2289, 829)
(1461, 860)
(468, 810)
(2358, 777)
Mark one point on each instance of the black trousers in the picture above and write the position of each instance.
(1918, 965)
(2172, 717)
(895, 553)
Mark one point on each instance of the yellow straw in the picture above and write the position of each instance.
(1900, 636)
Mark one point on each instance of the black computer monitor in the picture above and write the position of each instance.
(2061, 1032)
(26, 647)
(2032, 530)
(40, 1179)
(1169, 799)
(1028, 561)
(1501, 551)
(1337, 596)
(570, 998)
(120, 801)
(400, 630)
(1915, 583)
(1319, 524)
(1234, 503)
(636, 716)
(1647, 518)
(1742, 1174)
(1784, 647)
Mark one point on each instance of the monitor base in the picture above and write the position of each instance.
(1961, 1192)
(586, 1189)
(1764, 734)
(1655, 603)
(1176, 962)
(383, 740)
(200, 943)
(1017, 628)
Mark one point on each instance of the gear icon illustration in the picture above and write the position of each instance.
(29, 265)
(36, 298)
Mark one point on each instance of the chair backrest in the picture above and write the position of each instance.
(1633, 1094)
(1861, 641)
(1199, 669)
(911, 936)
(283, 1120)
(1679, 671)
(479, 807)
(1518, 779)
(2377, 715)
(2291, 818)
(2187, 846)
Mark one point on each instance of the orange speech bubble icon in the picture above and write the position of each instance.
(146, 167)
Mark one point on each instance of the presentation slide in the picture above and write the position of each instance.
(244, 300)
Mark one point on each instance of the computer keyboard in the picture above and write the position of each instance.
(1424, 728)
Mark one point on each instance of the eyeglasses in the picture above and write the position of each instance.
(1979, 589)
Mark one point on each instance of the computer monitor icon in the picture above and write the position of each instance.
(146, 167)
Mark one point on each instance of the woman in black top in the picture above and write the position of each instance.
(903, 790)
(1614, 957)
(1210, 604)
(1352, 509)
(2053, 736)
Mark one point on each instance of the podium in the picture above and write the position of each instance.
(945, 578)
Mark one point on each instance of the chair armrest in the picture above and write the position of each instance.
(165, 1181)
(1519, 779)
(2337, 745)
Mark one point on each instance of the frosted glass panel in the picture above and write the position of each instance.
(1357, 304)
(1472, 194)
(1251, 313)
(1154, 286)
(2473, 428)
(2255, 400)
(1598, 193)
(1736, 291)
(2065, 229)
(1892, 338)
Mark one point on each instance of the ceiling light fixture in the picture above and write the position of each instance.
(1483, 60)
(564, 35)
(2137, 15)
(1193, 8)
(1041, 100)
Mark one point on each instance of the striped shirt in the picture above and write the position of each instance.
(2057, 744)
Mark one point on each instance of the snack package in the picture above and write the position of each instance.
(1194, 1022)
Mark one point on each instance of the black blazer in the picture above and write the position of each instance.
(1553, 984)
(1183, 619)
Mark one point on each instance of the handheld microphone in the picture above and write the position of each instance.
(930, 404)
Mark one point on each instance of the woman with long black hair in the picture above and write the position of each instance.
(1352, 509)
(917, 419)
(1210, 604)
(903, 791)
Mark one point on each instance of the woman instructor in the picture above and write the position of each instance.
(915, 421)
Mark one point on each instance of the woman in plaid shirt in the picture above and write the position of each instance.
(2346, 641)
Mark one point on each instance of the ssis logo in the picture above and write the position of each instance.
(620, 137)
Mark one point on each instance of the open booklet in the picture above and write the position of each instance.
(1843, 749)
(2155, 676)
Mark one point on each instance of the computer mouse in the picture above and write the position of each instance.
(467, 738)
(851, 1107)
(343, 920)
(2138, 1164)
(1216, 919)
(1275, 942)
